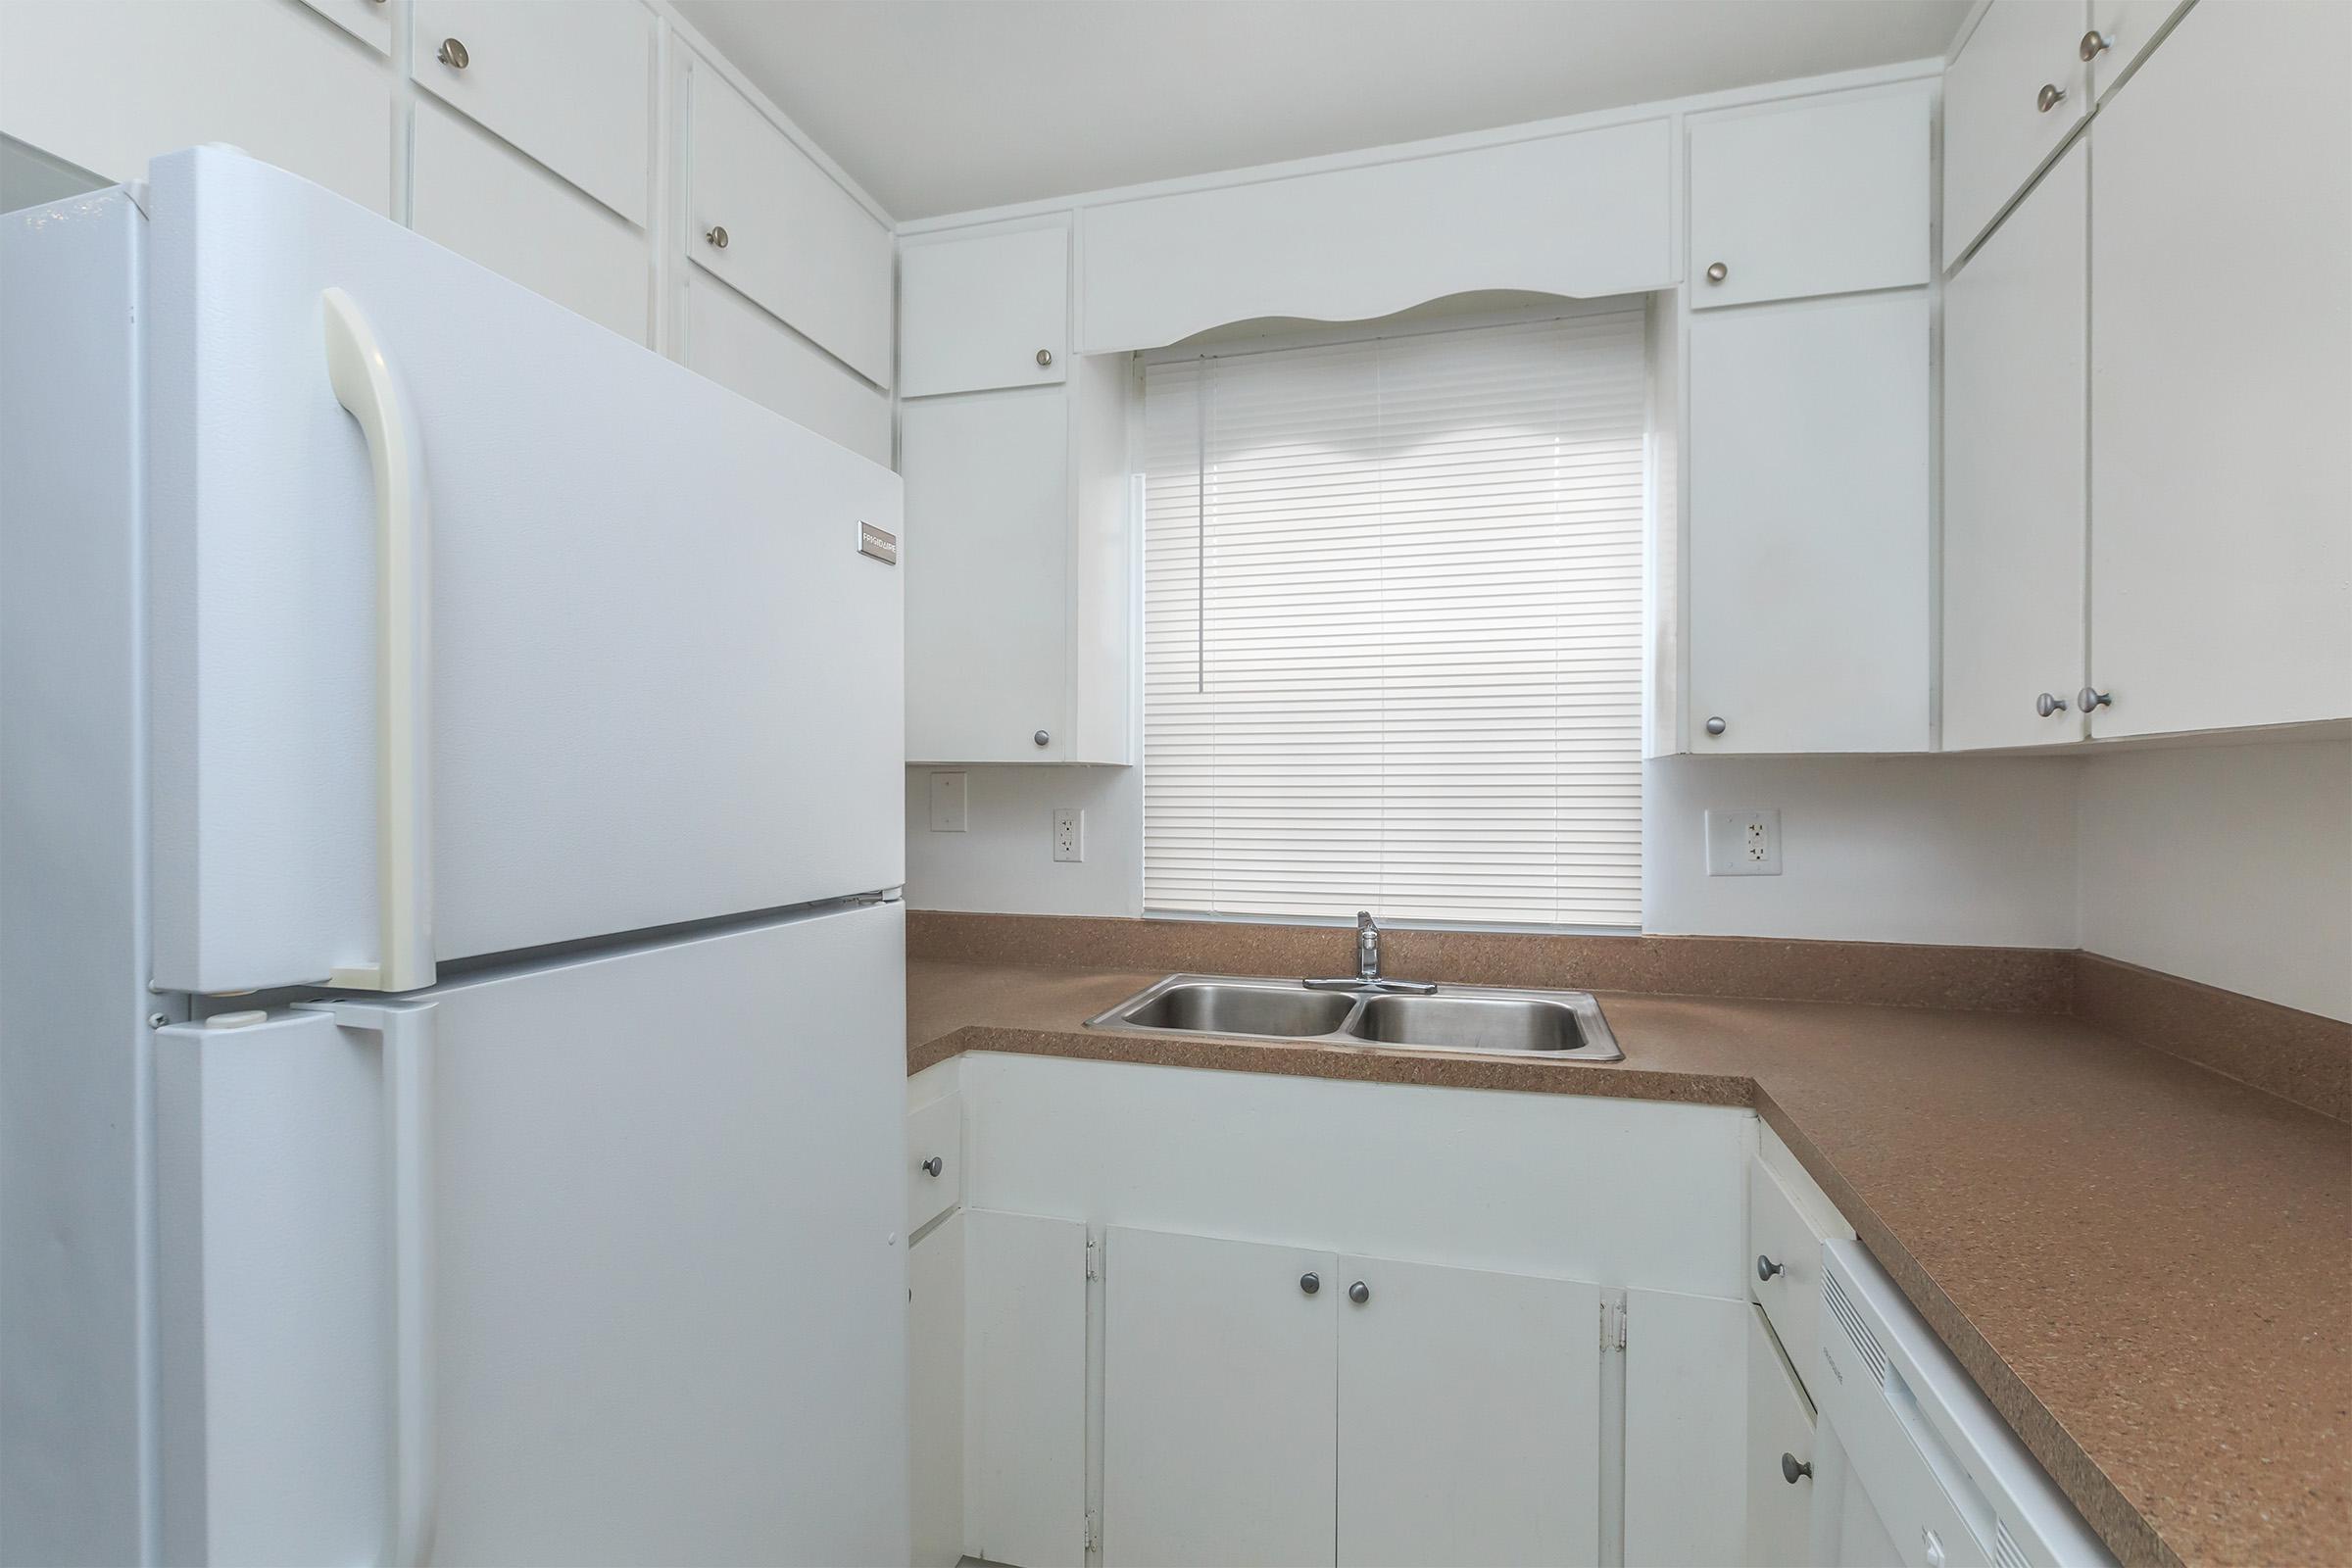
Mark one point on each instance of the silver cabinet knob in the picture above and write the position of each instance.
(1311, 1283)
(2049, 704)
(934, 1165)
(2050, 97)
(2094, 44)
(717, 234)
(1715, 726)
(1045, 357)
(1359, 1292)
(1794, 1469)
(2090, 698)
(1042, 737)
(453, 54)
(1717, 272)
(1766, 1268)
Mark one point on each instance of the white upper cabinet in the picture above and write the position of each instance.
(2014, 464)
(108, 84)
(1808, 616)
(1820, 196)
(739, 346)
(984, 310)
(368, 20)
(2011, 97)
(2120, 31)
(762, 216)
(568, 81)
(2221, 376)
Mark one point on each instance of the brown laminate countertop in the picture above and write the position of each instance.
(2147, 1266)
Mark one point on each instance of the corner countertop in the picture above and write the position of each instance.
(2147, 1266)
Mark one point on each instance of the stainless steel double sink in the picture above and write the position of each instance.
(1486, 1020)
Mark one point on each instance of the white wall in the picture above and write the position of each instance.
(2229, 864)
(1921, 849)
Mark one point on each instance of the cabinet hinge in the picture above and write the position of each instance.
(1093, 1529)
(1094, 1258)
(1612, 1325)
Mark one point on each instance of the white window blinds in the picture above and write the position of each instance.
(1393, 626)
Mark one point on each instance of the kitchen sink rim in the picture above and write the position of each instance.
(1599, 1041)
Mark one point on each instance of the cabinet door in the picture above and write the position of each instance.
(2221, 376)
(1469, 1417)
(108, 84)
(1996, 133)
(743, 348)
(1024, 1388)
(793, 240)
(368, 20)
(984, 310)
(2126, 30)
(1685, 1429)
(1808, 531)
(2015, 447)
(487, 201)
(935, 1393)
(1780, 1436)
(568, 81)
(1218, 1390)
(1823, 197)
(986, 554)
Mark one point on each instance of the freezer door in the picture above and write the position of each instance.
(665, 1323)
(662, 681)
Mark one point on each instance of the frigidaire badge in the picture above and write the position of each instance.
(874, 542)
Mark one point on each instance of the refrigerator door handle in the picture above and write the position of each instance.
(367, 385)
(406, 1032)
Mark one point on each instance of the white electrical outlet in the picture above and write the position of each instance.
(948, 798)
(1743, 843)
(1069, 833)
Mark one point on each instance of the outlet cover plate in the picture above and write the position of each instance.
(950, 803)
(1744, 842)
(1069, 833)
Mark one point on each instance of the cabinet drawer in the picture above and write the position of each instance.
(1786, 1227)
(984, 310)
(934, 1132)
(568, 81)
(1780, 1429)
(487, 201)
(1826, 197)
(794, 241)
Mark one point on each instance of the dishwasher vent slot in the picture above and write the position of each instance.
(1864, 1340)
(2006, 1552)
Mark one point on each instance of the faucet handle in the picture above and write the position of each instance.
(1363, 920)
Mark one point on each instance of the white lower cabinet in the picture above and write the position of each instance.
(1780, 1453)
(1025, 1390)
(935, 1393)
(1685, 1429)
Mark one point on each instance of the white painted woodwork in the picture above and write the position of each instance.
(1469, 1417)
(977, 308)
(1780, 1421)
(1809, 615)
(568, 81)
(1685, 1429)
(490, 204)
(2016, 452)
(1788, 1228)
(986, 556)
(1586, 213)
(1822, 195)
(368, 20)
(1122, 1144)
(935, 1394)
(109, 85)
(1024, 1410)
(1996, 135)
(746, 349)
(1219, 1394)
(2129, 28)
(797, 243)
(2220, 572)
(934, 1131)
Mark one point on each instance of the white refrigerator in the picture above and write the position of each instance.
(451, 1008)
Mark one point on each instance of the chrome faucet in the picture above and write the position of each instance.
(1367, 965)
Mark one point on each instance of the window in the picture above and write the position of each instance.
(1393, 626)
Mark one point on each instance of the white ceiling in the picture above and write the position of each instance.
(942, 106)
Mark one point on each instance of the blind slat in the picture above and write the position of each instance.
(1393, 651)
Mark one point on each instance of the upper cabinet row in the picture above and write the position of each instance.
(2147, 523)
(533, 146)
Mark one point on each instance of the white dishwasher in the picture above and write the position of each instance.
(1911, 1464)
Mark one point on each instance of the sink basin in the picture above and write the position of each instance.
(1482, 1020)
